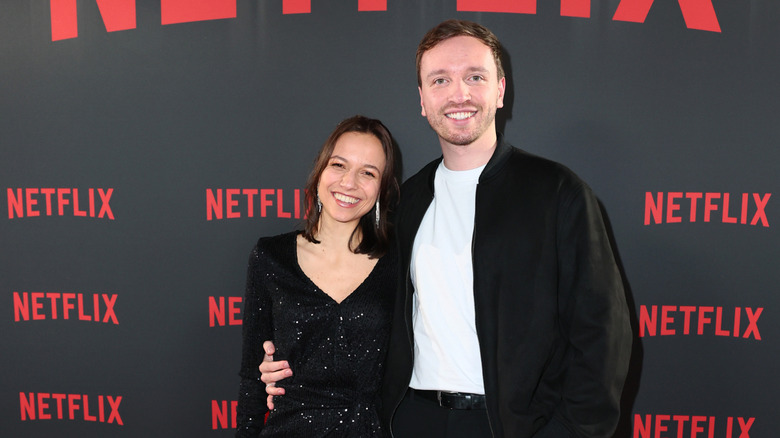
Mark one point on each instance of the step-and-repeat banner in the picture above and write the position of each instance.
(145, 146)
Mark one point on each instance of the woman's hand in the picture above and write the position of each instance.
(273, 372)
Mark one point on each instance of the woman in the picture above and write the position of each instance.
(324, 295)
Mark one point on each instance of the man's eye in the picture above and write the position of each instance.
(439, 81)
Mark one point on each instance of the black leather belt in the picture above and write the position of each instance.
(452, 400)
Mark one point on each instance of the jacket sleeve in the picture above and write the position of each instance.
(251, 409)
(593, 318)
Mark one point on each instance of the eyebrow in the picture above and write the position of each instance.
(469, 69)
(364, 164)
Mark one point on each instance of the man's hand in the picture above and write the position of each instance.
(273, 372)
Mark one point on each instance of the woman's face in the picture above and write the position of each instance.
(350, 183)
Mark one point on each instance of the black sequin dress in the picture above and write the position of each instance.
(336, 351)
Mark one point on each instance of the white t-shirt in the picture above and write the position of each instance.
(446, 348)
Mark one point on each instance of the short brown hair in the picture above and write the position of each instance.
(453, 28)
(375, 240)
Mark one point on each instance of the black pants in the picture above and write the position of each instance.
(418, 417)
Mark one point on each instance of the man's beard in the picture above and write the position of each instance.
(462, 137)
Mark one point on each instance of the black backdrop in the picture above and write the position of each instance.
(135, 134)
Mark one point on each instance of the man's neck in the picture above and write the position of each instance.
(469, 156)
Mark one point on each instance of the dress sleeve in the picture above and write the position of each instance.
(257, 328)
(594, 317)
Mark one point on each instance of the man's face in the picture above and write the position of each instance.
(460, 89)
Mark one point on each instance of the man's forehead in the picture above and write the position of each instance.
(466, 50)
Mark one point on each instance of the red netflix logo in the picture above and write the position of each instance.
(221, 412)
(709, 320)
(46, 406)
(691, 426)
(219, 312)
(238, 203)
(40, 306)
(121, 14)
(33, 202)
(677, 207)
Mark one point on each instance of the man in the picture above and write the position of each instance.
(511, 318)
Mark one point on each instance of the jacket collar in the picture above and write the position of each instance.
(497, 160)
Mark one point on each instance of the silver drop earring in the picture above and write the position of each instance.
(376, 213)
(319, 204)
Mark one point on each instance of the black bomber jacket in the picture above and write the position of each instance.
(551, 314)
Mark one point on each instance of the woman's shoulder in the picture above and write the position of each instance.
(279, 246)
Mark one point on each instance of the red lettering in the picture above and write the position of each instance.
(760, 213)
(506, 6)
(694, 197)
(53, 297)
(575, 8)
(117, 15)
(61, 201)
(752, 321)
(31, 202)
(219, 414)
(250, 201)
(666, 320)
(264, 202)
(680, 419)
(671, 207)
(709, 207)
(648, 321)
(280, 204)
(687, 310)
(642, 429)
(105, 197)
(72, 406)
(42, 406)
(48, 193)
(718, 323)
(726, 218)
(59, 398)
(80, 305)
(37, 306)
(66, 306)
(76, 211)
(213, 204)
(27, 406)
(229, 193)
(296, 6)
(660, 427)
(372, 5)
(114, 416)
(87, 417)
(109, 314)
(216, 311)
(21, 307)
(234, 309)
(15, 203)
(703, 310)
(695, 428)
(91, 202)
(654, 207)
(745, 427)
(698, 14)
(187, 11)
